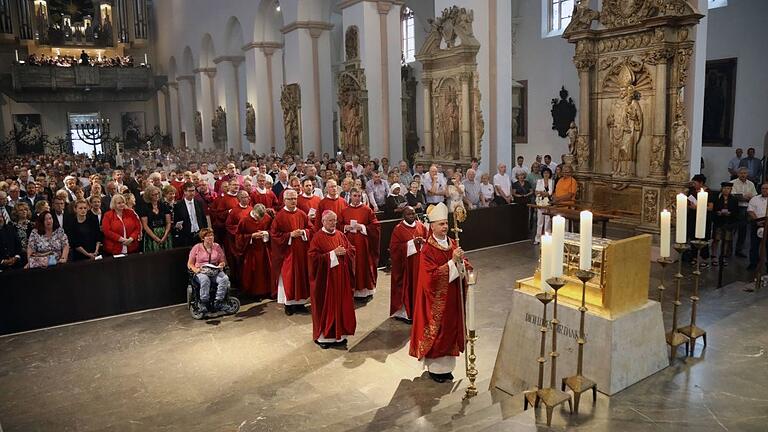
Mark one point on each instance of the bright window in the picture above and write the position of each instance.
(409, 38)
(712, 4)
(559, 15)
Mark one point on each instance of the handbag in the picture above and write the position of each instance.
(51, 260)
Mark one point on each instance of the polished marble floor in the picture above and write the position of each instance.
(260, 371)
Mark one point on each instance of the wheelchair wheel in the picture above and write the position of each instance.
(231, 305)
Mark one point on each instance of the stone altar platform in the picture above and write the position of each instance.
(620, 351)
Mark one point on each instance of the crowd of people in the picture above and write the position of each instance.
(83, 60)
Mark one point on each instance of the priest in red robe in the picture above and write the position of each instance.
(406, 242)
(362, 229)
(290, 233)
(331, 202)
(332, 266)
(308, 201)
(262, 194)
(219, 209)
(236, 214)
(252, 246)
(437, 335)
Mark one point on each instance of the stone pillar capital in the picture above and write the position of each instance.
(310, 25)
(383, 7)
(234, 59)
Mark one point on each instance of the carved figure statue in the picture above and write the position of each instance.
(290, 101)
(582, 17)
(198, 126)
(351, 45)
(250, 122)
(449, 125)
(219, 125)
(573, 135)
(680, 136)
(625, 124)
(657, 155)
(454, 22)
(351, 123)
(582, 152)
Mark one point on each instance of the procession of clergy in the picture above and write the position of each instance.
(324, 252)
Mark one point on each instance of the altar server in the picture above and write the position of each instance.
(407, 239)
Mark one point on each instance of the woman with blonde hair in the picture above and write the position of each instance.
(121, 227)
(156, 218)
(21, 218)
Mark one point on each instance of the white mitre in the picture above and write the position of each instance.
(437, 212)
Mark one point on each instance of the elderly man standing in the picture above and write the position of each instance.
(332, 266)
(754, 165)
(437, 336)
(332, 202)
(378, 189)
(405, 174)
(407, 239)
(743, 190)
(290, 233)
(502, 186)
(434, 185)
(362, 229)
(472, 189)
(733, 164)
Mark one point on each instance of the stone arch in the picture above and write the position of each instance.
(268, 22)
(233, 37)
(207, 51)
(172, 68)
(187, 61)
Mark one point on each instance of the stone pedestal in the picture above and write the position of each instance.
(620, 351)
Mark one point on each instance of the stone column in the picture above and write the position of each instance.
(230, 75)
(584, 161)
(187, 107)
(427, 84)
(264, 78)
(205, 104)
(465, 116)
(175, 117)
(162, 113)
(659, 143)
(316, 146)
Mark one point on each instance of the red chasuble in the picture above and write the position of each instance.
(305, 203)
(228, 243)
(333, 309)
(366, 246)
(335, 205)
(254, 252)
(219, 210)
(438, 330)
(405, 269)
(267, 198)
(290, 260)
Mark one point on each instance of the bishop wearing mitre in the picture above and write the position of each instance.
(407, 239)
(362, 229)
(332, 270)
(290, 234)
(437, 335)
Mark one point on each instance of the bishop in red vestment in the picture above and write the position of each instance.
(362, 229)
(331, 202)
(252, 246)
(437, 335)
(407, 239)
(290, 235)
(308, 201)
(332, 266)
(263, 195)
(219, 209)
(236, 214)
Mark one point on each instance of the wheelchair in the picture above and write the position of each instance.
(230, 305)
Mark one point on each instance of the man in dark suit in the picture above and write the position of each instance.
(58, 212)
(32, 197)
(281, 183)
(189, 218)
(11, 254)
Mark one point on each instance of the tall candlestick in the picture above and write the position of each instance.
(666, 228)
(546, 261)
(471, 308)
(17, 56)
(145, 59)
(682, 214)
(585, 241)
(701, 214)
(558, 243)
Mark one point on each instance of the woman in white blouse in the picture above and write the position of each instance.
(486, 191)
(545, 187)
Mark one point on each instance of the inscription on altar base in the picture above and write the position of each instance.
(620, 351)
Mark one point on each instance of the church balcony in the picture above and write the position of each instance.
(30, 83)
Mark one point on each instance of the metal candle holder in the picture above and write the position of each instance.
(663, 262)
(532, 395)
(579, 383)
(552, 396)
(92, 133)
(675, 338)
(692, 331)
(471, 369)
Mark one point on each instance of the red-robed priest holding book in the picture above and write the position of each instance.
(407, 239)
(437, 336)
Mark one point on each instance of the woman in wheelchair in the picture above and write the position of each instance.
(207, 262)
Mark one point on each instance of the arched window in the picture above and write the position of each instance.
(559, 15)
(408, 45)
(712, 4)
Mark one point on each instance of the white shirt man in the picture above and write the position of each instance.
(434, 194)
(520, 168)
(743, 188)
(193, 225)
(501, 180)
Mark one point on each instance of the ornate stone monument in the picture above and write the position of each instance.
(453, 120)
(250, 123)
(198, 127)
(352, 99)
(630, 143)
(290, 101)
(219, 125)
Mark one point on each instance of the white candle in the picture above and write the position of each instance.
(701, 214)
(666, 228)
(681, 219)
(546, 261)
(145, 59)
(471, 308)
(17, 56)
(585, 241)
(558, 243)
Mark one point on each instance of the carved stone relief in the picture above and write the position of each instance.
(446, 113)
(679, 146)
(290, 101)
(353, 111)
(351, 43)
(250, 122)
(651, 206)
(625, 124)
(198, 126)
(219, 126)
